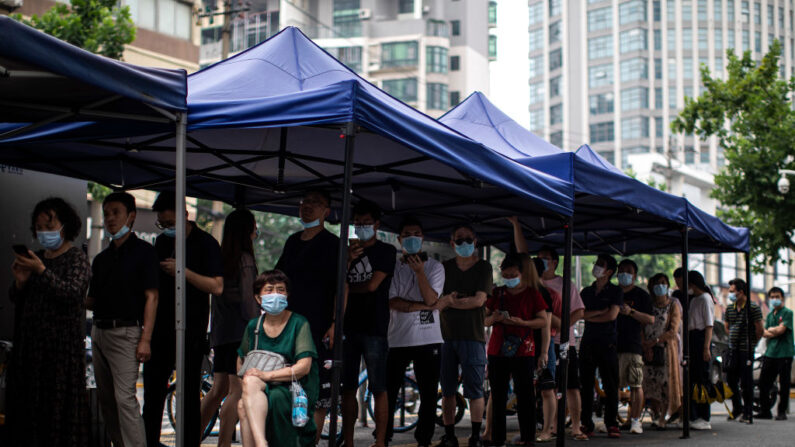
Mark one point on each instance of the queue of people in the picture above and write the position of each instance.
(400, 307)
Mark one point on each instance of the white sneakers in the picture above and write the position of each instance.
(700, 424)
(636, 428)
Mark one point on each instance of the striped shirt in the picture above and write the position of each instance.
(738, 328)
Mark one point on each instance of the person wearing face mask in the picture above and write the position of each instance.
(47, 403)
(266, 406)
(778, 356)
(230, 314)
(514, 310)
(701, 317)
(602, 300)
(467, 281)
(203, 277)
(736, 323)
(661, 378)
(634, 314)
(309, 258)
(124, 296)
(371, 264)
(414, 333)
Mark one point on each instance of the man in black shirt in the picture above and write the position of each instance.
(123, 296)
(309, 259)
(602, 301)
(737, 327)
(203, 276)
(635, 313)
(371, 264)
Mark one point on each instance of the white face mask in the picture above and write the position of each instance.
(598, 271)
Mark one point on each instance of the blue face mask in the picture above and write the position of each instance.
(465, 249)
(546, 264)
(308, 225)
(660, 290)
(412, 244)
(512, 282)
(775, 303)
(624, 279)
(274, 303)
(51, 240)
(170, 232)
(732, 297)
(364, 232)
(120, 234)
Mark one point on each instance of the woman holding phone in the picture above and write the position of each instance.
(47, 385)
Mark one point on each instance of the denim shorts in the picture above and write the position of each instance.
(546, 380)
(471, 355)
(374, 349)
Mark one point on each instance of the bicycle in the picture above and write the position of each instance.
(206, 385)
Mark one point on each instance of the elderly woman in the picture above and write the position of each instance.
(265, 409)
(661, 382)
(47, 383)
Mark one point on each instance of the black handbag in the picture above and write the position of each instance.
(511, 343)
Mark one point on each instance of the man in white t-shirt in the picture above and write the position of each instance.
(414, 333)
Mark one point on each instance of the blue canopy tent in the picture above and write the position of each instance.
(612, 211)
(284, 117)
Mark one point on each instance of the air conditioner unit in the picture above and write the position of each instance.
(10, 5)
(365, 14)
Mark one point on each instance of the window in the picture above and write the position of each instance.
(672, 69)
(556, 138)
(757, 13)
(632, 11)
(350, 56)
(687, 68)
(688, 91)
(670, 11)
(537, 120)
(702, 10)
(703, 43)
(402, 89)
(455, 26)
(599, 75)
(671, 97)
(436, 96)
(599, 47)
(719, 66)
(718, 8)
(657, 9)
(536, 13)
(690, 156)
(399, 54)
(635, 127)
(536, 66)
(554, 86)
(704, 156)
(657, 40)
(687, 10)
(770, 39)
(634, 98)
(658, 98)
(536, 39)
(745, 12)
(718, 39)
(599, 19)
(164, 16)
(555, 59)
(671, 36)
(601, 103)
(556, 114)
(757, 41)
(730, 39)
(436, 59)
(536, 93)
(730, 11)
(455, 63)
(633, 40)
(493, 13)
(746, 40)
(438, 28)
(770, 10)
(455, 98)
(405, 6)
(601, 132)
(346, 18)
(687, 38)
(555, 7)
(780, 19)
(492, 46)
(634, 69)
(554, 32)
(658, 69)
(728, 267)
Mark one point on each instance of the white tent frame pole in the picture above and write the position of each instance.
(179, 283)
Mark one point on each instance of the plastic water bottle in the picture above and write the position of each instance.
(300, 404)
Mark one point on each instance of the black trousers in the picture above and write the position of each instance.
(740, 383)
(699, 374)
(604, 357)
(157, 372)
(501, 370)
(772, 367)
(427, 365)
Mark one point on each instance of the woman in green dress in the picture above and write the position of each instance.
(265, 409)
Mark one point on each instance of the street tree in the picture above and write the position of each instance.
(99, 26)
(751, 115)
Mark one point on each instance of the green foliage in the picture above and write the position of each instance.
(751, 115)
(98, 192)
(98, 26)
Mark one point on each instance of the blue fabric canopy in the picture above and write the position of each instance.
(612, 211)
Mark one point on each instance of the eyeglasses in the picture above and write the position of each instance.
(460, 241)
(163, 226)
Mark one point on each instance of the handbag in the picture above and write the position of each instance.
(511, 343)
(658, 350)
(261, 359)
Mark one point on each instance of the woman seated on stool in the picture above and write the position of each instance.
(265, 409)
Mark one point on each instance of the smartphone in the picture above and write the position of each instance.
(423, 257)
(21, 250)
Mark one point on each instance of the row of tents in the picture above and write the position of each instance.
(262, 127)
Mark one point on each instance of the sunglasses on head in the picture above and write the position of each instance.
(460, 241)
